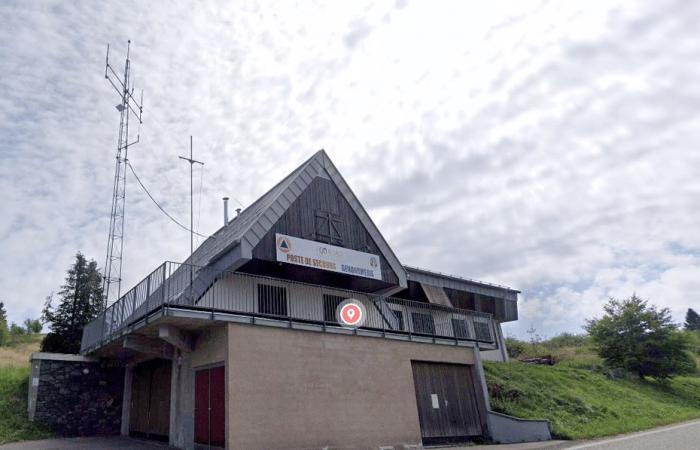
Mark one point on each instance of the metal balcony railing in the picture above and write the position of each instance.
(193, 288)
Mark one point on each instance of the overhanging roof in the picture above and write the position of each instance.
(247, 229)
(463, 284)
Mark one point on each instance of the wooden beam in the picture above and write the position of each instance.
(148, 346)
(176, 337)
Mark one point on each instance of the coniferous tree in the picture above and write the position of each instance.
(692, 320)
(80, 302)
(4, 330)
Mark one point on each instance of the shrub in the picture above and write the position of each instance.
(514, 347)
(567, 340)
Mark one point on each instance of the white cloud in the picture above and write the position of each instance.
(546, 145)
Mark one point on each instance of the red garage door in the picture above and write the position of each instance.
(209, 407)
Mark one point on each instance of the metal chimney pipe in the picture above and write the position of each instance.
(238, 212)
(225, 211)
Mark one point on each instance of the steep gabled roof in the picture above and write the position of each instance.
(251, 225)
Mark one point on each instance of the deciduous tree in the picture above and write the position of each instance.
(641, 339)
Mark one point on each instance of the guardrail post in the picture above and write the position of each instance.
(381, 315)
(452, 324)
(104, 324)
(163, 286)
(121, 319)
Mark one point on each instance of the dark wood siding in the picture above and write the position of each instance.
(413, 292)
(149, 415)
(448, 407)
(322, 198)
(502, 309)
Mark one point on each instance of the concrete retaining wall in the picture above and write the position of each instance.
(507, 430)
(74, 395)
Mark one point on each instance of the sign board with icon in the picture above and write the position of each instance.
(318, 255)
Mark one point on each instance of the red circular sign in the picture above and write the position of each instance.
(351, 314)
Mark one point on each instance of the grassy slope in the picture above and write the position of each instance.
(18, 352)
(583, 403)
(14, 376)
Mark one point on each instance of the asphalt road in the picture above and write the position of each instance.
(684, 436)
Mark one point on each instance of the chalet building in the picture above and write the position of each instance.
(242, 345)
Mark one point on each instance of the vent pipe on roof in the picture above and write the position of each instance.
(238, 212)
(225, 211)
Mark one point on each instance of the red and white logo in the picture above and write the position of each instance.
(284, 244)
(351, 313)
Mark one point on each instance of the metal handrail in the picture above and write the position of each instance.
(176, 285)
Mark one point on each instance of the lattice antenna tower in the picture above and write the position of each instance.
(112, 278)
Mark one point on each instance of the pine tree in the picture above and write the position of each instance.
(80, 302)
(4, 330)
(692, 320)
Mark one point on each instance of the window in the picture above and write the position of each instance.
(328, 228)
(423, 323)
(399, 317)
(482, 330)
(461, 328)
(272, 300)
(330, 305)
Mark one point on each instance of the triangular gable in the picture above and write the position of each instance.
(233, 244)
(286, 193)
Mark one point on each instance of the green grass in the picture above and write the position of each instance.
(14, 424)
(583, 403)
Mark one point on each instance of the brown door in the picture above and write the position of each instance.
(447, 406)
(209, 407)
(149, 414)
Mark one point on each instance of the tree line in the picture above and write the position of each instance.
(632, 337)
(12, 333)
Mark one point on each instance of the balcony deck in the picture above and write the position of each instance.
(186, 291)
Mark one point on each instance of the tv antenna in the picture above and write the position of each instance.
(192, 163)
(112, 277)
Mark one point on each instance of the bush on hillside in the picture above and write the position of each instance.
(641, 339)
(515, 347)
(567, 340)
(16, 330)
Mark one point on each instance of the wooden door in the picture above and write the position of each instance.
(447, 406)
(210, 407)
(149, 414)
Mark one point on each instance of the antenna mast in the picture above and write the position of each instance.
(192, 163)
(112, 277)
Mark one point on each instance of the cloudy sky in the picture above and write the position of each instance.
(548, 146)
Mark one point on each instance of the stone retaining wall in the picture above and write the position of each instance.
(76, 396)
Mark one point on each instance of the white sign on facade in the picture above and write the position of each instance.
(318, 255)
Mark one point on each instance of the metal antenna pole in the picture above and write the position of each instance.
(115, 242)
(192, 163)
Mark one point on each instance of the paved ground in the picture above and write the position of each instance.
(111, 443)
(684, 436)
